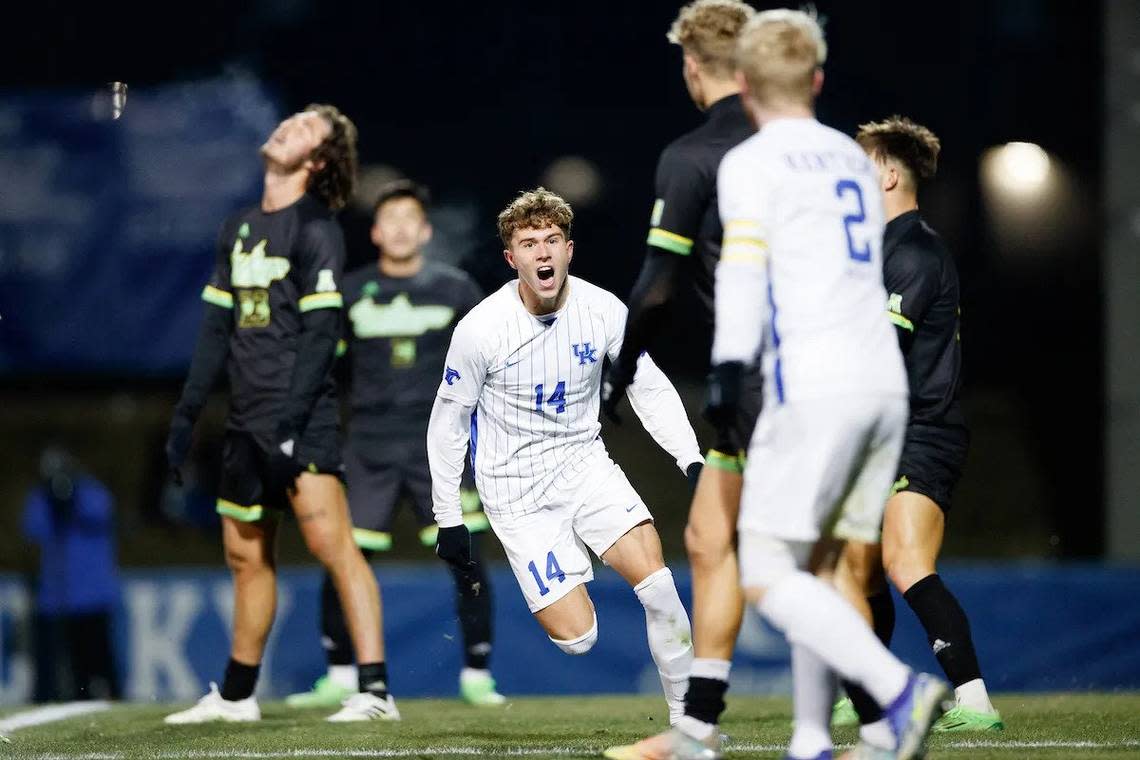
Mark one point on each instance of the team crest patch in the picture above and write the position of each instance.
(325, 282)
(450, 376)
(585, 354)
(658, 212)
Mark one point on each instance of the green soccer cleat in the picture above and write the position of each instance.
(843, 714)
(324, 693)
(964, 719)
(478, 689)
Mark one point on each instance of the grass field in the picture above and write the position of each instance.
(1099, 726)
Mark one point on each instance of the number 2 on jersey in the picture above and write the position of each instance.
(557, 399)
(553, 573)
(851, 187)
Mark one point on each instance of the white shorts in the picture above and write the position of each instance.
(823, 467)
(547, 549)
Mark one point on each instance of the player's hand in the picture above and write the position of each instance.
(178, 444)
(453, 546)
(723, 402)
(614, 385)
(693, 473)
(283, 466)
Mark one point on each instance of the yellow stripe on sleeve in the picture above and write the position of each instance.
(321, 301)
(670, 241)
(217, 297)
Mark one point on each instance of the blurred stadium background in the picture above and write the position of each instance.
(107, 230)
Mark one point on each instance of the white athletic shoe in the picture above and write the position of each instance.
(365, 706)
(212, 707)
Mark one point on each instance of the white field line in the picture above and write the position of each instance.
(50, 714)
(460, 751)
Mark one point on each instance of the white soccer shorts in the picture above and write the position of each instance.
(822, 467)
(548, 549)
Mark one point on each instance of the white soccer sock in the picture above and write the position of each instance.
(670, 637)
(344, 675)
(811, 613)
(813, 691)
(973, 696)
(879, 734)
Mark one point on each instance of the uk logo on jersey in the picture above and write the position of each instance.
(585, 354)
(450, 376)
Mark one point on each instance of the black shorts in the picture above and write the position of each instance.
(729, 453)
(242, 493)
(381, 470)
(932, 461)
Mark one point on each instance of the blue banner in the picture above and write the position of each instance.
(1036, 628)
(108, 227)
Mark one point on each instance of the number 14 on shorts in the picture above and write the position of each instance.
(553, 573)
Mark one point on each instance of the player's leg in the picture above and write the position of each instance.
(913, 528)
(472, 587)
(617, 526)
(249, 552)
(322, 514)
(373, 483)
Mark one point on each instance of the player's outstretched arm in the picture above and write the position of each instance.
(449, 432)
(658, 406)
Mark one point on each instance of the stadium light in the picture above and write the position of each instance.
(1018, 170)
(576, 179)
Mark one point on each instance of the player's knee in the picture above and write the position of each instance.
(246, 559)
(580, 644)
(706, 546)
(906, 570)
(326, 546)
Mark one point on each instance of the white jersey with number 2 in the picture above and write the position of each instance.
(800, 278)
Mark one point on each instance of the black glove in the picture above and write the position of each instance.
(283, 466)
(453, 546)
(723, 403)
(693, 473)
(178, 444)
(617, 379)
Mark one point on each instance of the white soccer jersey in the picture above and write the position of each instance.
(535, 385)
(801, 271)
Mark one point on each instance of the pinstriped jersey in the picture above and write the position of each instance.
(535, 383)
(271, 268)
(801, 268)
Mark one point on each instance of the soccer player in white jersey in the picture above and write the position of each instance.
(522, 386)
(799, 285)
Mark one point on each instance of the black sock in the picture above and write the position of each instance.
(334, 630)
(883, 615)
(947, 628)
(240, 680)
(374, 678)
(474, 611)
(705, 699)
(883, 623)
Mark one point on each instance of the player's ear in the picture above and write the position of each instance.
(510, 258)
(569, 250)
(817, 82)
(375, 235)
(890, 175)
(425, 233)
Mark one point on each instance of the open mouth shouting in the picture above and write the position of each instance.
(545, 276)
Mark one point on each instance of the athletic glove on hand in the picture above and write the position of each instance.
(614, 385)
(723, 404)
(453, 546)
(178, 444)
(693, 473)
(283, 465)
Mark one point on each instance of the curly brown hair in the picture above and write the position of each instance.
(707, 30)
(911, 144)
(535, 209)
(334, 181)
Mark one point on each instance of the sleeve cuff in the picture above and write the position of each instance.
(217, 297)
(670, 241)
(320, 301)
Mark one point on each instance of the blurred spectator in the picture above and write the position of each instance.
(69, 516)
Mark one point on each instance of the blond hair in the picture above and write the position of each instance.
(534, 209)
(778, 52)
(707, 30)
(911, 144)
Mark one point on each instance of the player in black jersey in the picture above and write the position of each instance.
(683, 250)
(273, 311)
(401, 313)
(922, 286)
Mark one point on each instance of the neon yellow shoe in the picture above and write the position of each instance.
(964, 719)
(324, 693)
(843, 714)
(478, 688)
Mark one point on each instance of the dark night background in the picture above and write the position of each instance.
(477, 99)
